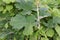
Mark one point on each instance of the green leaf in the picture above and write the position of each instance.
(9, 7)
(4, 11)
(25, 12)
(14, 38)
(4, 34)
(18, 21)
(2, 23)
(1, 8)
(44, 11)
(43, 38)
(48, 1)
(30, 22)
(28, 30)
(56, 20)
(9, 1)
(13, 1)
(50, 23)
(1, 2)
(6, 25)
(24, 5)
(33, 37)
(50, 32)
(42, 31)
(57, 38)
(57, 28)
(6, 1)
(56, 12)
(58, 1)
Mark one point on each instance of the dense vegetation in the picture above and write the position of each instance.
(29, 19)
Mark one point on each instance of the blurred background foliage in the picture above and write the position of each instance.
(18, 20)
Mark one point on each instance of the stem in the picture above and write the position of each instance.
(38, 17)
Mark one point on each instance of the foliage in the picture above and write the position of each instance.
(18, 20)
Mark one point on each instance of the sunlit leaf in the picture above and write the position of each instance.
(50, 32)
(57, 28)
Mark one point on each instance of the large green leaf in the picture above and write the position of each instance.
(1, 2)
(18, 21)
(24, 5)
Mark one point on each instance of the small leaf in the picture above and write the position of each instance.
(13, 1)
(9, 7)
(1, 2)
(57, 28)
(9, 1)
(4, 11)
(43, 38)
(6, 25)
(4, 34)
(44, 11)
(56, 12)
(57, 38)
(56, 20)
(42, 31)
(6, 1)
(50, 32)
(1, 8)
(33, 37)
